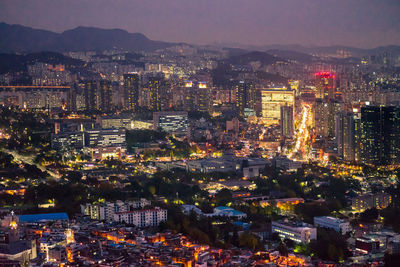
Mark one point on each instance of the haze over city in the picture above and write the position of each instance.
(359, 23)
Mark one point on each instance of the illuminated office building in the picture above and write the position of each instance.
(105, 138)
(296, 231)
(171, 121)
(272, 99)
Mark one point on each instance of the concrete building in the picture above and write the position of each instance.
(369, 201)
(336, 224)
(106, 211)
(298, 231)
(105, 137)
(68, 140)
(142, 218)
(171, 121)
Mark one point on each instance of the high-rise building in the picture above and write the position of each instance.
(91, 95)
(391, 135)
(348, 135)
(105, 88)
(325, 84)
(189, 96)
(245, 96)
(272, 99)
(380, 135)
(287, 121)
(157, 94)
(131, 91)
(203, 98)
(324, 117)
(371, 138)
(98, 95)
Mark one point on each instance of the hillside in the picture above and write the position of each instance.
(21, 39)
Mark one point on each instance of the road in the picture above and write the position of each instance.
(302, 135)
(29, 160)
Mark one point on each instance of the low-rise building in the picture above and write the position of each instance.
(218, 211)
(228, 212)
(286, 164)
(105, 138)
(296, 231)
(68, 140)
(171, 121)
(336, 224)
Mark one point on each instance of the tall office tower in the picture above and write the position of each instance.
(131, 91)
(391, 134)
(203, 98)
(245, 96)
(272, 99)
(105, 95)
(325, 83)
(287, 122)
(371, 138)
(324, 117)
(91, 95)
(380, 134)
(189, 96)
(348, 135)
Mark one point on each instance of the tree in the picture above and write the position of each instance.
(283, 249)
(330, 245)
(248, 240)
(223, 197)
(369, 215)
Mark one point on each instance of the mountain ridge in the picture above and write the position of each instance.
(15, 38)
(21, 39)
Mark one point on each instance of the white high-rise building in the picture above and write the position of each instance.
(142, 218)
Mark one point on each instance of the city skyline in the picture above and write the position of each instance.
(363, 24)
(200, 133)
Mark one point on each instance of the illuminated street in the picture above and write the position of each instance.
(302, 135)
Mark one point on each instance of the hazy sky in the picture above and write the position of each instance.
(361, 23)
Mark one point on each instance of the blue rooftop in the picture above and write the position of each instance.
(223, 208)
(43, 217)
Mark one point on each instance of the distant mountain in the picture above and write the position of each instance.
(21, 39)
(394, 50)
(244, 59)
(226, 72)
(291, 55)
